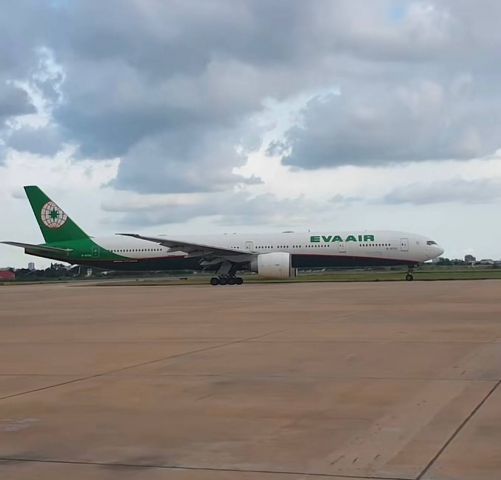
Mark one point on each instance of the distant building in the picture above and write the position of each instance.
(486, 261)
(31, 266)
(7, 275)
(469, 259)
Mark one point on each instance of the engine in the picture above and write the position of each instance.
(276, 265)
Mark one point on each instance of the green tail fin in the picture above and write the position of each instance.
(55, 225)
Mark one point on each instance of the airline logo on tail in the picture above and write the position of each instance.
(52, 216)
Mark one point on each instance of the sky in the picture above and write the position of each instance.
(196, 116)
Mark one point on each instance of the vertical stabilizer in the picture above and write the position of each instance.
(55, 224)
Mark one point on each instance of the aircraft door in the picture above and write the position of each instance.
(342, 247)
(249, 245)
(404, 244)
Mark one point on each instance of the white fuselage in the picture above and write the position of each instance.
(382, 245)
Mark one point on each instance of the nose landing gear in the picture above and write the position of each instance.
(410, 274)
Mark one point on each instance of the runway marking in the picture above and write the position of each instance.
(199, 468)
(458, 430)
(140, 364)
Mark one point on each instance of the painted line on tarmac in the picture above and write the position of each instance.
(199, 468)
(140, 364)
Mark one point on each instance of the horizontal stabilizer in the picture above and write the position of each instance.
(39, 248)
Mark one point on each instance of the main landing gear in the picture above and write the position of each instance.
(225, 275)
(226, 280)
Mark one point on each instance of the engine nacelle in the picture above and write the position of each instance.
(276, 265)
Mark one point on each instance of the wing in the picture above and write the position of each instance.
(192, 249)
(39, 248)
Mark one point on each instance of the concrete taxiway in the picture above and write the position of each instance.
(392, 380)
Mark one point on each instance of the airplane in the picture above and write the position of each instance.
(272, 256)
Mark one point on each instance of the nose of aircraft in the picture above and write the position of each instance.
(434, 249)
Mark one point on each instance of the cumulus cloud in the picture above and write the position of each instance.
(377, 124)
(159, 74)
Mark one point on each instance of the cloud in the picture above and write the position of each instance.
(40, 140)
(385, 123)
(416, 88)
(173, 89)
(14, 101)
(182, 161)
(228, 209)
(478, 191)
(187, 76)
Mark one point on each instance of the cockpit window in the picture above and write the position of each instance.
(431, 242)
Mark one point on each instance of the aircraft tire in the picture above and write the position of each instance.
(239, 280)
(214, 281)
(409, 277)
(223, 281)
(231, 281)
